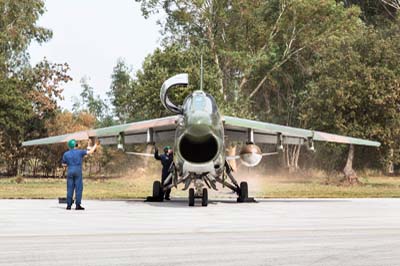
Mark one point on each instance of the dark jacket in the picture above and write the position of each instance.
(166, 161)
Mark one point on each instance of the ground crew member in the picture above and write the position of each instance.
(73, 159)
(166, 160)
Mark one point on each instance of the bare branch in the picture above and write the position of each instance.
(289, 45)
(242, 83)
(393, 3)
(290, 55)
(275, 28)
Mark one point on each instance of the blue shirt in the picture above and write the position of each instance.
(73, 158)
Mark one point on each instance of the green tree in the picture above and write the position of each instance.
(356, 91)
(17, 30)
(263, 51)
(120, 90)
(28, 94)
(306, 63)
(376, 11)
(140, 97)
(93, 104)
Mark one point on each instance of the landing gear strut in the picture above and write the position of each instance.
(199, 191)
(242, 191)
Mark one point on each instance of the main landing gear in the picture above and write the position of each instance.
(201, 183)
(244, 193)
(159, 188)
(230, 182)
(157, 191)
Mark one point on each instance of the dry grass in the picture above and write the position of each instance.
(138, 184)
(321, 185)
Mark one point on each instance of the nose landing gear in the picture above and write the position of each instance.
(204, 198)
(203, 195)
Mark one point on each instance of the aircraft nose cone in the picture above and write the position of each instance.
(199, 131)
(199, 124)
(199, 119)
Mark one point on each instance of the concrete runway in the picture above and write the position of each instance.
(271, 232)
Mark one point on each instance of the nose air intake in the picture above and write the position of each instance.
(198, 149)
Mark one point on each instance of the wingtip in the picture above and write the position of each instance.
(25, 144)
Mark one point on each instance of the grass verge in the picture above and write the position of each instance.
(261, 187)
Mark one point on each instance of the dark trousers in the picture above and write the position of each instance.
(168, 191)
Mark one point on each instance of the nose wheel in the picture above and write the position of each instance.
(203, 197)
(191, 197)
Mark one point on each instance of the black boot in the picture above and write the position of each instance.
(68, 207)
(79, 207)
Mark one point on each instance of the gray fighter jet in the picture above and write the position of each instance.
(200, 134)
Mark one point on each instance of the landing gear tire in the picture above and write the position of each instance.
(204, 199)
(157, 191)
(191, 197)
(244, 192)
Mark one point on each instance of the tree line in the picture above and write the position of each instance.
(319, 64)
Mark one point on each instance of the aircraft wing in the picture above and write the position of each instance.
(238, 129)
(148, 131)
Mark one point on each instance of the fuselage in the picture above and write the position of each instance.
(199, 140)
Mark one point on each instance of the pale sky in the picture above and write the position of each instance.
(90, 35)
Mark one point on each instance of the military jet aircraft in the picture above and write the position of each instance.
(200, 134)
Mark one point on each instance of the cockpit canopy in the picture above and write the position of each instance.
(199, 101)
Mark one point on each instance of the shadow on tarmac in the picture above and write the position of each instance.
(183, 202)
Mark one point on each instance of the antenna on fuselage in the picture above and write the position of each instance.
(201, 72)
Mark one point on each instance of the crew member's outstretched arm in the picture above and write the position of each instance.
(92, 149)
(156, 156)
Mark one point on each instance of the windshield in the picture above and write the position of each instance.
(199, 101)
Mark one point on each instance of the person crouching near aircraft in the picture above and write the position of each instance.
(73, 159)
(166, 160)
